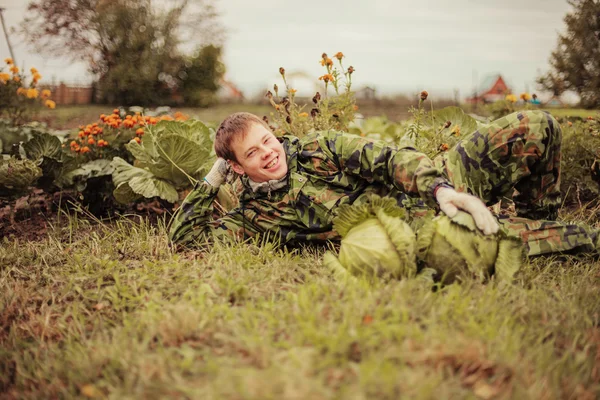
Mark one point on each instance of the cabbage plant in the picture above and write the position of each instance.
(376, 241)
(454, 247)
(173, 155)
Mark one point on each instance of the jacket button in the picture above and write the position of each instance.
(300, 179)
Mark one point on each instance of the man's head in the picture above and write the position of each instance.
(250, 147)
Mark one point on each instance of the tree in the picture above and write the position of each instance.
(576, 60)
(133, 47)
(200, 76)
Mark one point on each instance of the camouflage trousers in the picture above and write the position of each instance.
(518, 157)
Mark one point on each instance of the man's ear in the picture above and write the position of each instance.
(236, 167)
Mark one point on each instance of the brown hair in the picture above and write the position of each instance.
(234, 126)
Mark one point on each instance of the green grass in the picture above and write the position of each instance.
(110, 311)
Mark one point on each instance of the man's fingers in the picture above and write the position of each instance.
(449, 209)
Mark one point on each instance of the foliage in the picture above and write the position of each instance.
(17, 175)
(172, 156)
(580, 177)
(329, 111)
(20, 96)
(133, 47)
(455, 248)
(200, 76)
(576, 60)
(376, 241)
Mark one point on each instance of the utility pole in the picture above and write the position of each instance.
(6, 35)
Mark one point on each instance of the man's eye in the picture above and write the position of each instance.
(251, 153)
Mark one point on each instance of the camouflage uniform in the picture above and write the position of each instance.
(328, 169)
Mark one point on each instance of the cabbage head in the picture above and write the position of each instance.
(16, 175)
(454, 247)
(376, 241)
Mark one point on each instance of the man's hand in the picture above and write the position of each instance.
(217, 174)
(450, 201)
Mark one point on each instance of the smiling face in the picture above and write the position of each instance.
(259, 155)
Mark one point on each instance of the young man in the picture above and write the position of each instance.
(293, 186)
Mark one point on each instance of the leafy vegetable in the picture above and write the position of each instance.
(172, 156)
(376, 241)
(455, 247)
(16, 175)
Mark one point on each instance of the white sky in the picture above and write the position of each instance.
(396, 46)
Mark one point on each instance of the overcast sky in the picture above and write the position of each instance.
(394, 45)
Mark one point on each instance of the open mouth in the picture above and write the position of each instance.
(272, 163)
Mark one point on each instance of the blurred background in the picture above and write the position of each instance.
(204, 54)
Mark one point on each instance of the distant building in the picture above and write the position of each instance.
(493, 88)
(365, 93)
(229, 93)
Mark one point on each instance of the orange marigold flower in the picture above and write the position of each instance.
(50, 104)
(45, 94)
(81, 134)
(292, 91)
(444, 147)
(139, 131)
(85, 149)
(22, 91)
(179, 116)
(73, 143)
(14, 69)
(91, 141)
(303, 114)
(590, 118)
(339, 55)
(137, 140)
(116, 111)
(36, 77)
(4, 77)
(355, 107)
(102, 143)
(8, 61)
(326, 61)
(33, 70)
(32, 93)
(17, 78)
(569, 123)
(327, 78)
(166, 118)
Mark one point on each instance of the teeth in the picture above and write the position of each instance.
(269, 165)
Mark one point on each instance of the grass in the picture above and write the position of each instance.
(110, 311)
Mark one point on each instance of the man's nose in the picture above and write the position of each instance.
(265, 151)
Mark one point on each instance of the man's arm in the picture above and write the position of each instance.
(192, 225)
(406, 169)
(409, 171)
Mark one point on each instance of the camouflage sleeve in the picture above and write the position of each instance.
(193, 225)
(406, 169)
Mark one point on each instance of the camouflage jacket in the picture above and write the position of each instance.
(325, 170)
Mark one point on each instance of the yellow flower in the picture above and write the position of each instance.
(303, 114)
(50, 104)
(45, 94)
(525, 96)
(511, 97)
(36, 77)
(32, 93)
(292, 91)
(22, 91)
(339, 55)
(4, 77)
(14, 69)
(8, 61)
(327, 78)
(17, 78)
(33, 71)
